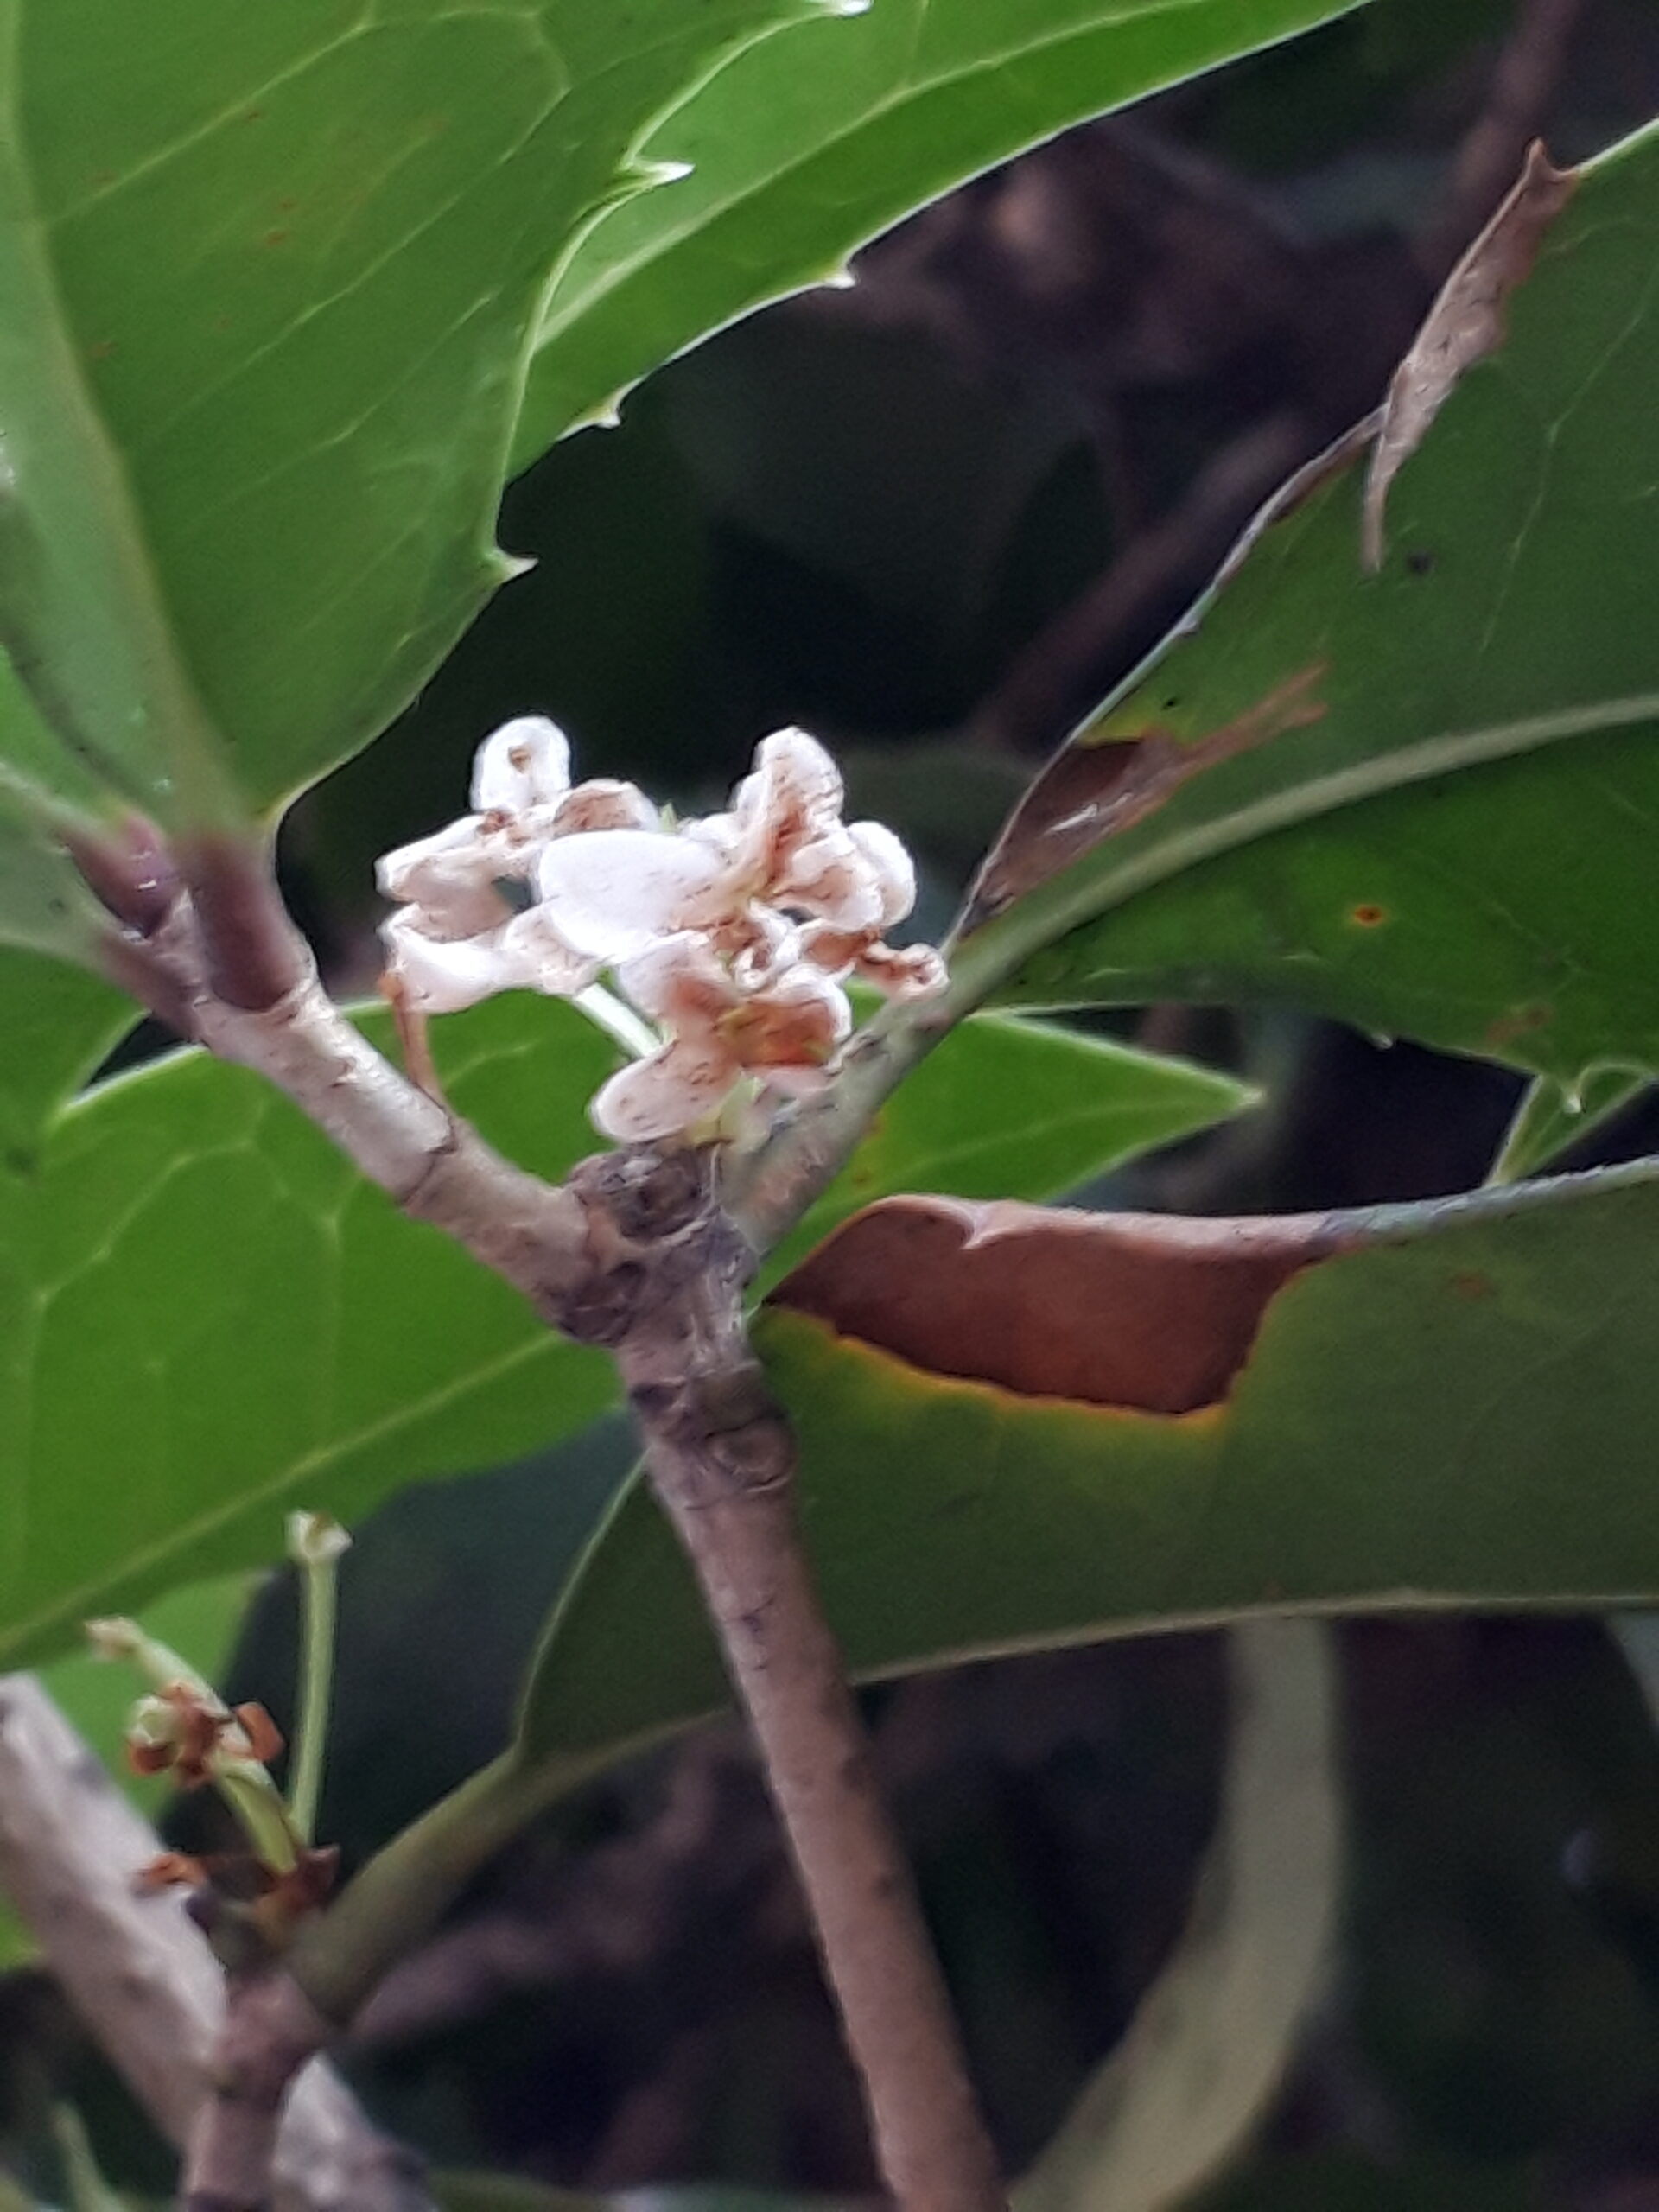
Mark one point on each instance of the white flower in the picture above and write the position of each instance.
(733, 934)
(615, 892)
(468, 924)
(717, 1033)
(785, 845)
(524, 764)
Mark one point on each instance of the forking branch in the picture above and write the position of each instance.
(636, 1253)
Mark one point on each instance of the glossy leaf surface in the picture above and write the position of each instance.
(207, 1318)
(808, 147)
(57, 1022)
(267, 279)
(1399, 1434)
(1423, 799)
(1551, 1120)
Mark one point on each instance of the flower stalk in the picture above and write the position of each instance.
(316, 1544)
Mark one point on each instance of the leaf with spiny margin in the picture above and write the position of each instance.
(806, 148)
(207, 1318)
(1356, 792)
(268, 276)
(1550, 1121)
(1446, 1405)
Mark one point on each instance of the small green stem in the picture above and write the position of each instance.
(318, 1608)
(619, 1022)
(397, 1899)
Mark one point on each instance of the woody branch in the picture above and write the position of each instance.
(634, 1254)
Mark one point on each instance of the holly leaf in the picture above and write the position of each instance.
(208, 1318)
(268, 281)
(1020, 1427)
(1373, 795)
(805, 148)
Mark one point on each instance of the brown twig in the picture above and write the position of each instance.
(721, 1462)
(634, 1254)
(1518, 93)
(143, 1978)
(1073, 657)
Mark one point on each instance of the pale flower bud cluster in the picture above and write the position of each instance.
(734, 934)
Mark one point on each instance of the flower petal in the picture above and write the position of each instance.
(526, 763)
(660, 1096)
(611, 892)
(679, 981)
(793, 779)
(797, 1023)
(602, 803)
(440, 975)
(451, 877)
(550, 964)
(903, 971)
(828, 877)
(891, 870)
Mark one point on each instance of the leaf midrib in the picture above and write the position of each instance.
(1081, 893)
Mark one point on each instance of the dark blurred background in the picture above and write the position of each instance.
(934, 517)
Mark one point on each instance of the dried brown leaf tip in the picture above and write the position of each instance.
(1464, 324)
(1093, 790)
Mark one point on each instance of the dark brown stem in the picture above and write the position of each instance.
(722, 1461)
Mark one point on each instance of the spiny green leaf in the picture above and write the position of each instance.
(1344, 847)
(207, 1318)
(805, 148)
(1550, 1120)
(268, 276)
(1458, 1408)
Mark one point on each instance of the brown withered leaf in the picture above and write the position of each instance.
(1464, 324)
(1091, 792)
(1144, 1310)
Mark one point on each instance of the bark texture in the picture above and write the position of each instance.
(721, 1462)
(636, 1253)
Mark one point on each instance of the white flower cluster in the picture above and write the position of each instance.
(733, 935)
